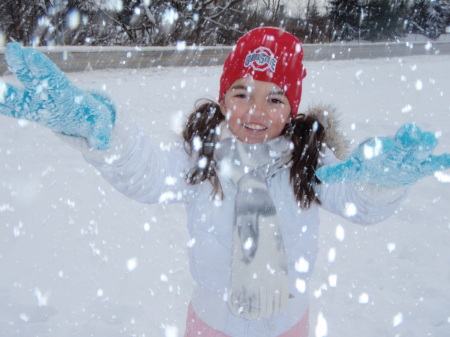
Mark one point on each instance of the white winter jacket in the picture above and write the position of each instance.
(152, 175)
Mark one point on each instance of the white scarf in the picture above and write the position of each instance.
(259, 278)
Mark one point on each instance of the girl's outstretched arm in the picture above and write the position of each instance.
(369, 185)
(89, 123)
(135, 167)
(358, 202)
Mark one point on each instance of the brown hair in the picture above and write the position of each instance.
(305, 132)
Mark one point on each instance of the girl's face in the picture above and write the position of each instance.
(256, 111)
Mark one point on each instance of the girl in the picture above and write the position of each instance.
(252, 173)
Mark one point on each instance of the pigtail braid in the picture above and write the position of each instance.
(200, 135)
(307, 136)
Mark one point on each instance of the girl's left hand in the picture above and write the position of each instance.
(389, 162)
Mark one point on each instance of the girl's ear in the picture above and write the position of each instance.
(289, 119)
(223, 109)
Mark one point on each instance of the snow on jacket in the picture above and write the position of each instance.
(150, 174)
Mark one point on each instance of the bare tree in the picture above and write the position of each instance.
(273, 9)
(134, 22)
(19, 18)
(202, 22)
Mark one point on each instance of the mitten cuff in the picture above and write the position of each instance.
(123, 137)
(382, 195)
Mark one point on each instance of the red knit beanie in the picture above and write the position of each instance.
(267, 54)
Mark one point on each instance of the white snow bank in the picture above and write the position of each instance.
(79, 259)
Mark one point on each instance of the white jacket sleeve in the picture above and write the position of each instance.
(359, 202)
(136, 168)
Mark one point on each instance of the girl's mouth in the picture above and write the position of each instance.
(255, 127)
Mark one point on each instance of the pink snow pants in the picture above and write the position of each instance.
(195, 327)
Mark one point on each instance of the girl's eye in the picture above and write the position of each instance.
(241, 95)
(276, 100)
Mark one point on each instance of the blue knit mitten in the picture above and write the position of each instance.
(389, 162)
(48, 98)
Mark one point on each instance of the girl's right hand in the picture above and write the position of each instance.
(50, 99)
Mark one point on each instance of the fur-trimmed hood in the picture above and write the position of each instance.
(334, 137)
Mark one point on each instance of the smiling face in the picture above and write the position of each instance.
(256, 111)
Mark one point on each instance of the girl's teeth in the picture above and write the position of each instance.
(255, 126)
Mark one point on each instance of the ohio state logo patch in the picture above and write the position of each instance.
(261, 59)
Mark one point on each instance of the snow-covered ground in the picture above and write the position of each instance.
(79, 259)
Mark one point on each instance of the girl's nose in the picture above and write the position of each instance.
(257, 108)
